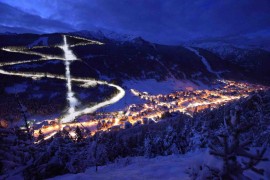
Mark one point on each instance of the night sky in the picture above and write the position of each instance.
(164, 21)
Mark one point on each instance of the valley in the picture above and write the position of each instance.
(134, 90)
(189, 99)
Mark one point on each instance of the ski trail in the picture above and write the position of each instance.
(205, 62)
(33, 53)
(168, 70)
(69, 57)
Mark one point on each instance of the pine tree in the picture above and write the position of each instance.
(97, 153)
(232, 147)
(147, 147)
(169, 141)
(23, 111)
(16, 151)
(78, 134)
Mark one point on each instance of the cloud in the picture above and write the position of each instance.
(169, 21)
(4, 29)
(11, 17)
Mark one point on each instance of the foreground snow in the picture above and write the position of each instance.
(162, 167)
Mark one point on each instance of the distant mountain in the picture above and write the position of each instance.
(124, 57)
(104, 34)
(7, 33)
(250, 52)
(256, 40)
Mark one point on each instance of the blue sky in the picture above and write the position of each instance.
(164, 21)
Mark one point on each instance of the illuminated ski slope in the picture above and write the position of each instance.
(69, 57)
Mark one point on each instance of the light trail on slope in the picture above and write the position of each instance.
(20, 62)
(71, 116)
(65, 119)
(73, 102)
(32, 53)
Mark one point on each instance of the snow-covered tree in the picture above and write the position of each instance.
(79, 135)
(16, 151)
(128, 125)
(97, 152)
(147, 147)
(233, 150)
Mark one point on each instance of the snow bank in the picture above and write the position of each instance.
(162, 167)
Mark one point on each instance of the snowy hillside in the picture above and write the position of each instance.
(104, 34)
(132, 168)
(222, 49)
(174, 167)
(248, 41)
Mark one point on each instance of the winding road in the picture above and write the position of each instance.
(69, 57)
